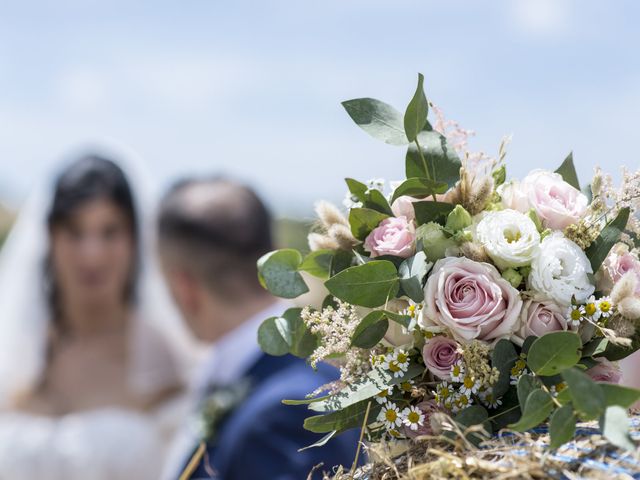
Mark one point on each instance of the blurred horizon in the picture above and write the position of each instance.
(253, 90)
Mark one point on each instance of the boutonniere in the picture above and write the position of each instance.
(220, 402)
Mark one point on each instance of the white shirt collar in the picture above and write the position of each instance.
(233, 354)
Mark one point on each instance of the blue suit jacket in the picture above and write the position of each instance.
(261, 437)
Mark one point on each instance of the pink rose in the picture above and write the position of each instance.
(394, 236)
(440, 353)
(605, 371)
(557, 203)
(403, 207)
(428, 408)
(619, 262)
(540, 317)
(472, 300)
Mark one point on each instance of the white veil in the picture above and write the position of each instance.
(159, 337)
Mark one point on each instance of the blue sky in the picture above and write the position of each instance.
(253, 89)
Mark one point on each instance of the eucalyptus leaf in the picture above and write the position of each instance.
(368, 285)
(412, 273)
(538, 407)
(526, 385)
(427, 211)
(443, 163)
(586, 395)
(562, 426)
(419, 188)
(619, 395)
(609, 236)
(615, 425)
(503, 358)
(470, 417)
(318, 263)
(287, 334)
(341, 420)
(363, 221)
(357, 189)
(370, 330)
(415, 116)
(375, 200)
(378, 119)
(278, 273)
(568, 171)
(367, 387)
(554, 352)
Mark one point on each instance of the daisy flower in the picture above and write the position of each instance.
(591, 308)
(457, 371)
(382, 396)
(605, 307)
(407, 386)
(444, 392)
(469, 385)
(413, 417)
(576, 312)
(390, 416)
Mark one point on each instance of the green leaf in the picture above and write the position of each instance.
(526, 385)
(503, 358)
(341, 420)
(318, 263)
(538, 407)
(287, 334)
(412, 273)
(609, 236)
(586, 395)
(471, 416)
(278, 273)
(370, 330)
(615, 425)
(419, 188)
(305, 401)
(508, 412)
(363, 221)
(416, 113)
(368, 386)
(342, 259)
(619, 395)
(432, 212)
(368, 285)
(357, 189)
(404, 320)
(595, 347)
(274, 336)
(554, 352)
(568, 171)
(378, 119)
(562, 426)
(442, 160)
(375, 200)
(323, 441)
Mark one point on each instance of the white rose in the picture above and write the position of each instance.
(561, 270)
(509, 237)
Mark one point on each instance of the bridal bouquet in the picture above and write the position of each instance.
(457, 293)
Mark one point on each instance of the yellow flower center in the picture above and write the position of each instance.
(413, 417)
(605, 306)
(444, 393)
(590, 308)
(402, 357)
(468, 382)
(463, 400)
(405, 386)
(576, 314)
(393, 366)
(456, 370)
(391, 415)
(383, 394)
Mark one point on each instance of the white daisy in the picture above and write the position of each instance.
(413, 417)
(390, 416)
(576, 314)
(605, 307)
(457, 371)
(469, 385)
(591, 308)
(382, 397)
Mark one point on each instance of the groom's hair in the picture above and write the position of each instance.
(217, 229)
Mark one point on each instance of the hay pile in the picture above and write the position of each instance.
(506, 456)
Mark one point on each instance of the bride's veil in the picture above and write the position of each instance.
(158, 337)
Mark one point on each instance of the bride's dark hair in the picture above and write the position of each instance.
(90, 177)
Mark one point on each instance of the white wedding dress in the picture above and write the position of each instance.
(109, 443)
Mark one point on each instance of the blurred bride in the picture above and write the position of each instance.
(88, 383)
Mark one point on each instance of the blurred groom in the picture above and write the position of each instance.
(211, 233)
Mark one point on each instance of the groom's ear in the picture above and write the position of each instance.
(186, 290)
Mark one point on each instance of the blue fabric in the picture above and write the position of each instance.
(261, 437)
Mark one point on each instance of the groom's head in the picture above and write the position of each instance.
(211, 233)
